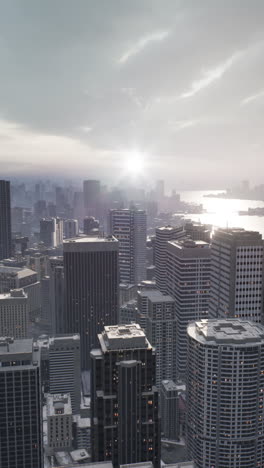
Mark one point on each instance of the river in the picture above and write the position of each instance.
(221, 212)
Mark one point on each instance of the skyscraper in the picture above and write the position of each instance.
(91, 197)
(20, 405)
(163, 235)
(237, 275)
(91, 289)
(129, 227)
(71, 228)
(225, 385)
(161, 331)
(124, 400)
(14, 314)
(188, 282)
(5, 220)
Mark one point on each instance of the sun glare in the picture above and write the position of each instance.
(134, 163)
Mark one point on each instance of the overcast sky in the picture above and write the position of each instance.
(84, 83)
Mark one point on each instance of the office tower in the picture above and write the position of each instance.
(51, 210)
(197, 231)
(169, 406)
(40, 209)
(90, 225)
(129, 227)
(14, 317)
(161, 331)
(60, 200)
(59, 231)
(48, 231)
(61, 363)
(71, 228)
(16, 218)
(124, 400)
(17, 278)
(56, 270)
(225, 384)
(91, 289)
(163, 235)
(237, 275)
(143, 303)
(46, 310)
(128, 312)
(59, 422)
(51, 231)
(188, 282)
(20, 405)
(91, 197)
(5, 220)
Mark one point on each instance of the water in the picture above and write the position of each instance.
(224, 213)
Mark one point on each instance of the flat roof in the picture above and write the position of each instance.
(231, 332)
(90, 239)
(91, 244)
(15, 347)
(16, 271)
(126, 336)
(57, 401)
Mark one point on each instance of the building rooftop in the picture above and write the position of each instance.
(90, 239)
(59, 404)
(169, 228)
(127, 336)
(229, 331)
(14, 294)
(15, 271)
(190, 244)
(80, 455)
(9, 346)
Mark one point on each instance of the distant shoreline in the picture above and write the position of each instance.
(228, 196)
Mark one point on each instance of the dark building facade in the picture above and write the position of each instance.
(91, 289)
(124, 401)
(20, 405)
(5, 220)
(91, 197)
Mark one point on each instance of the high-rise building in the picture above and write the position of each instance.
(14, 316)
(124, 399)
(188, 282)
(20, 405)
(57, 294)
(91, 289)
(61, 364)
(161, 331)
(51, 231)
(46, 310)
(225, 385)
(163, 235)
(71, 228)
(5, 220)
(16, 278)
(129, 227)
(197, 231)
(90, 225)
(91, 197)
(237, 275)
(59, 422)
(169, 405)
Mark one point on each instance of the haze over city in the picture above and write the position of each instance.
(87, 85)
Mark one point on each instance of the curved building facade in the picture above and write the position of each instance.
(225, 393)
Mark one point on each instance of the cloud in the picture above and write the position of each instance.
(212, 75)
(183, 124)
(142, 44)
(252, 98)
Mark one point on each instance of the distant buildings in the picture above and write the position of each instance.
(237, 275)
(51, 231)
(163, 235)
(71, 228)
(188, 282)
(91, 289)
(225, 384)
(14, 315)
(91, 197)
(20, 405)
(129, 227)
(124, 400)
(90, 225)
(5, 220)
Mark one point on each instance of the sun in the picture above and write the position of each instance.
(134, 163)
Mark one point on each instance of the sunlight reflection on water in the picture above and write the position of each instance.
(224, 213)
